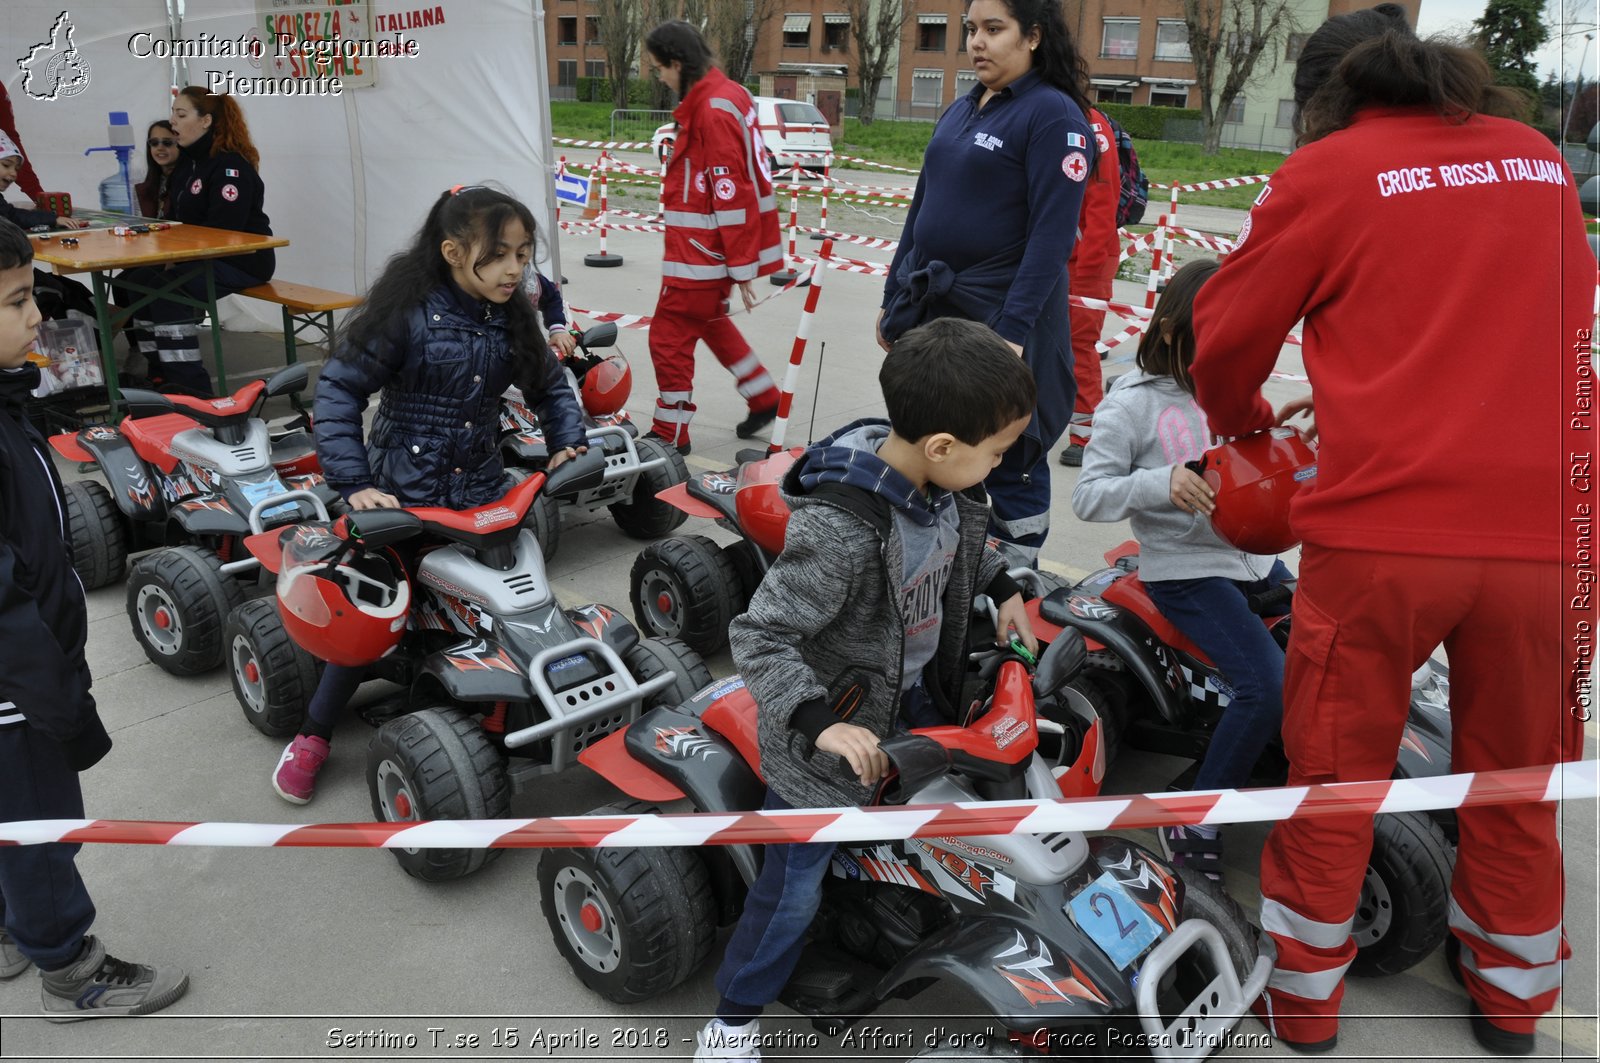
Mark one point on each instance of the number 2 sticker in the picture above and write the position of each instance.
(1114, 920)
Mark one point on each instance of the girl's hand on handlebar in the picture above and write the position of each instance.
(1013, 617)
(859, 747)
(563, 343)
(562, 456)
(372, 498)
(1295, 407)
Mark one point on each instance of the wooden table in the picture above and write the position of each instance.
(185, 248)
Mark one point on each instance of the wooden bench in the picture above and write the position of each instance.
(304, 307)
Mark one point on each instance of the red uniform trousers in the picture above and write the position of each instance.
(1363, 622)
(1086, 328)
(684, 317)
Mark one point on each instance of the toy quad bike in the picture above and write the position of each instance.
(1053, 934)
(1163, 694)
(501, 684)
(688, 587)
(194, 477)
(638, 468)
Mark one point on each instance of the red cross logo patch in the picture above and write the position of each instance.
(230, 192)
(1075, 165)
(194, 189)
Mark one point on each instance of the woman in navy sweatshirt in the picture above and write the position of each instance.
(991, 227)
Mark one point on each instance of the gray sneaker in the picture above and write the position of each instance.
(12, 961)
(100, 986)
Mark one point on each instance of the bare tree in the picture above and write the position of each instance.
(1227, 39)
(622, 29)
(732, 27)
(875, 27)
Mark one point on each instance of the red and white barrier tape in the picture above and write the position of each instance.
(1226, 182)
(845, 238)
(597, 225)
(1559, 782)
(613, 145)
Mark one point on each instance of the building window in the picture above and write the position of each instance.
(567, 29)
(1164, 96)
(966, 81)
(797, 31)
(1120, 38)
(567, 73)
(931, 32)
(593, 29)
(1236, 111)
(1106, 95)
(1285, 114)
(1240, 43)
(1172, 40)
(927, 88)
(1291, 50)
(835, 33)
(594, 68)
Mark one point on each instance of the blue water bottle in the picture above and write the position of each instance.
(116, 191)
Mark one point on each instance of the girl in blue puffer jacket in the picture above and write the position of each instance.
(443, 332)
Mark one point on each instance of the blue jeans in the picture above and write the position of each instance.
(44, 903)
(765, 946)
(1213, 612)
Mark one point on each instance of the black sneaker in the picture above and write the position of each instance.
(758, 419)
(98, 986)
(1188, 847)
(1310, 1048)
(1496, 1039)
(12, 961)
(1073, 455)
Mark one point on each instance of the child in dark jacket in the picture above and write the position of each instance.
(860, 626)
(442, 337)
(50, 729)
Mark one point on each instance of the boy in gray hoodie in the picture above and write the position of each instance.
(860, 626)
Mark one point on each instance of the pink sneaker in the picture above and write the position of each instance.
(296, 775)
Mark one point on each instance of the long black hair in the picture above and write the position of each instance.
(1057, 59)
(474, 218)
(1372, 56)
(680, 41)
(1167, 346)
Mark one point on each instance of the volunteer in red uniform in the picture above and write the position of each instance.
(722, 229)
(1090, 271)
(1437, 513)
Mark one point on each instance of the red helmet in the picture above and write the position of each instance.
(606, 386)
(349, 613)
(1255, 478)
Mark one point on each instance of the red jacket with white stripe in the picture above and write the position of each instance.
(721, 214)
(1095, 252)
(1444, 279)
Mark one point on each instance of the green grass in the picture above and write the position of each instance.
(903, 143)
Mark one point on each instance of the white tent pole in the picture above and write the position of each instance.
(545, 148)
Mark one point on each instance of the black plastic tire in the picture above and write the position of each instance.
(272, 677)
(437, 764)
(1064, 749)
(1405, 900)
(1205, 899)
(632, 923)
(96, 533)
(685, 588)
(545, 520)
(743, 555)
(178, 600)
(650, 657)
(646, 516)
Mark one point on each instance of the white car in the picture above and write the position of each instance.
(796, 134)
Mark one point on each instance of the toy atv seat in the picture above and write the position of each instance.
(228, 416)
(494, 527)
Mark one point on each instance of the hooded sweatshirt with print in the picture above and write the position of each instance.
(871, 593)
(1145, 426)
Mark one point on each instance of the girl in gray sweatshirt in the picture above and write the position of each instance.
(1145, 431)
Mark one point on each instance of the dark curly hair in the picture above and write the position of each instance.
(1057, 60)
(679, 40)
(474, 218)
(1372, 56)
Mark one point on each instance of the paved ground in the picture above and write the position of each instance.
(294, 950)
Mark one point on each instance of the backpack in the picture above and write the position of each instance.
(1135, 185)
